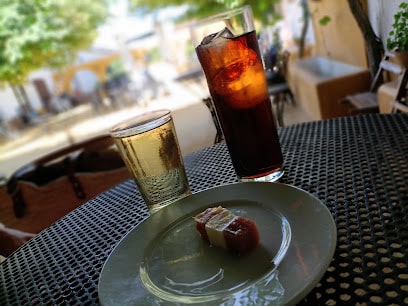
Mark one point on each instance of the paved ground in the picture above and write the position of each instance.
(193, 121)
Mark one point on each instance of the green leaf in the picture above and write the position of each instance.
(324, 20)
(398, 36)
(40, 33)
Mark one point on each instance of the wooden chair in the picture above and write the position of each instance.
(367, 102)
(400, 104)
(278, 88)
(219, 137)
(46, 189)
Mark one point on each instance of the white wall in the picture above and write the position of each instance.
(8, 103)
(381, 14)
(293, 21)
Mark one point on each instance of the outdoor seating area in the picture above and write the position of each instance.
(368, 101)
(172, 161)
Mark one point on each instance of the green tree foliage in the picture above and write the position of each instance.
(398, 37)
(44, 33)
(264, 10)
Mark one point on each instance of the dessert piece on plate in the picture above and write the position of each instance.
(221, 228)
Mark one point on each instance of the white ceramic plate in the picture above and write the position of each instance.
(163, 261)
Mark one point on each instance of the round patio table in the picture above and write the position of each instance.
(357, 166)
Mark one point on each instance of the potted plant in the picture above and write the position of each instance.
(398, 37)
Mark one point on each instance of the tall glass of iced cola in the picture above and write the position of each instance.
(227, 48)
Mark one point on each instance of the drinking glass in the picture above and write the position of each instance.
(227, 48)
(149, 147)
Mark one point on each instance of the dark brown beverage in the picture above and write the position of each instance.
(237, 84)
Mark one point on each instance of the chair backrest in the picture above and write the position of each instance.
(401, 100)
(276, 69)
(219, 137)
(73, 157)
(385, 66)
(49, 187)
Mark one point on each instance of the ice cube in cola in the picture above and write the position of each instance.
(225, 33)
(236, 80)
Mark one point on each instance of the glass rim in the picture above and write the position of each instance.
(198, 29)
(223, 15)
(141, 123)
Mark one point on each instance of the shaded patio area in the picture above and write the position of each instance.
(192, 118)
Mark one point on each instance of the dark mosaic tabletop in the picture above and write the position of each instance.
(357, 166)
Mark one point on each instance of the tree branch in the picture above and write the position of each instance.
(373, 44)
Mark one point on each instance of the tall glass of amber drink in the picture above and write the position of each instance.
(149, 147)
(227, 48)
